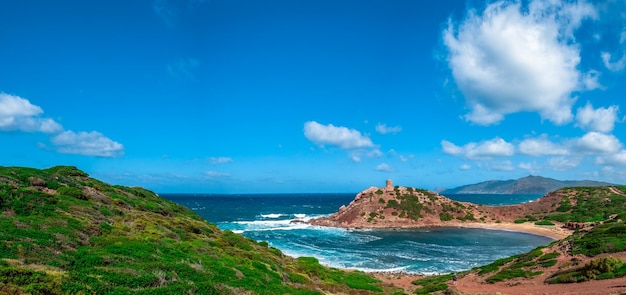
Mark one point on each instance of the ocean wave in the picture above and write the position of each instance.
(272, 215)
(399, 269)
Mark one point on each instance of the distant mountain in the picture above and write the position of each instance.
(527, 185)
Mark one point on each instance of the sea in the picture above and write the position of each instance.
(268, 217)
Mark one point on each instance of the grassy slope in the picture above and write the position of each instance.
(62, 232)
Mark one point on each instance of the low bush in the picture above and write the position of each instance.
(544, 222)
(72, 192)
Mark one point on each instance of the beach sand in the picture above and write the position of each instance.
(555, 232)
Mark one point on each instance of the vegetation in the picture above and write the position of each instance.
(606, 238)
(432, 284)
(544, 222)
(62, 232)
(589, 204)
(408, 205)
(599, 269)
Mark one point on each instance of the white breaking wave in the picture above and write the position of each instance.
(385, 270)
(272, 215)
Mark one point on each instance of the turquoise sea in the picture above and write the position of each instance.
(267, 217)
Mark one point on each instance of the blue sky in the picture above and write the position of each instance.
(236, 96)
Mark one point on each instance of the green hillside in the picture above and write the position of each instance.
(62, 232)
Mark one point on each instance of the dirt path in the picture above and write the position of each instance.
(616, 191)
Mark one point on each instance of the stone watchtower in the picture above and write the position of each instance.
(388, 185)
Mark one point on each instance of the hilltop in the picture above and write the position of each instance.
(526, 185)
(586, 222)
(62, 232)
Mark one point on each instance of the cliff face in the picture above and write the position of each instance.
(526, 185)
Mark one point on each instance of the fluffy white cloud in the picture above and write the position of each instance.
(541, 146)
(617, 159)
(465, 167)
(383, 129)
(384, 168)
(220, 160)
(496, 147)
(18, 114)
(510, 59)
(87, 143)
(341, 137)
(614, 66)
(596, 143)
(600, 119)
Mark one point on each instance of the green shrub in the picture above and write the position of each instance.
(381, 201)
(508, 274)
(549, 256)
(72, 192)
(379, 192)
(548, 263)
(519, 221)
(530, 218)
(445, 216)
(432, 288)
(544, 222)
(67, 171)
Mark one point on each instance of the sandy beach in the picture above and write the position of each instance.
(555, 232)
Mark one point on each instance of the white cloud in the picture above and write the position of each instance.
(563, 163)
(383, 129)
(465, 167)
(502, 166)
(617, 159)
(355, 158)
(216, 174)
(403, 159)
(600, 119)
(496, 147)
(384, 168)
(508, 59)
(341, 137)
(532, 168)
(87, 143)
(596, 143)
(375, 153)
(615, 66)
(220, 160)
(18, 114)
(589, 80)
(541, 146)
